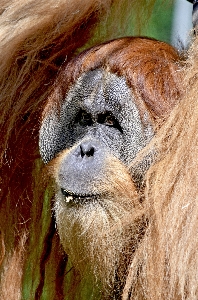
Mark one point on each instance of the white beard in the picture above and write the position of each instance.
(100, 233)
(99, 237)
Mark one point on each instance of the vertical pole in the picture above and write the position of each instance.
(182, 23)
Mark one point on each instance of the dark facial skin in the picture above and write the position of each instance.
(98, 119)
(91, 141)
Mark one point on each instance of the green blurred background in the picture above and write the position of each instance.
(160, 24)
(170, 22)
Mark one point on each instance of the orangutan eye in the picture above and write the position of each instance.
(109, 119)
(84, 118)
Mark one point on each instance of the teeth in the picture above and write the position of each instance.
(68, 199)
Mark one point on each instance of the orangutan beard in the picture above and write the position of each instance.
(99, 236)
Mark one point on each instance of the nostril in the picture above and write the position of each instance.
(81, 151)
(87, 149)
(90, 152)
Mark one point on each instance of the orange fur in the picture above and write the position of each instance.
(151, 69)
(35, 41)
(11, 277)
(167, 260)
(149, 66)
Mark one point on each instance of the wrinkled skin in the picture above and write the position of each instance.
(99, 115)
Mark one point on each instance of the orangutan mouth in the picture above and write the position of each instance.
(73, 198)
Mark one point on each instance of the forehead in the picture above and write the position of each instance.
(98, 89)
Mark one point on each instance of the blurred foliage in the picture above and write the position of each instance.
(160, 23)
(152, 18)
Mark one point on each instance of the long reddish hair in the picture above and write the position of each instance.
(36, 40)
(150, 68)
